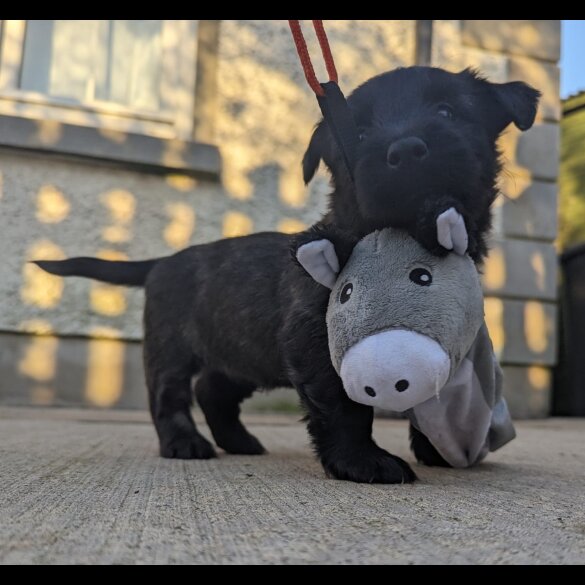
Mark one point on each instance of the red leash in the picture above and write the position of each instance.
(299, 39)
(336, 112)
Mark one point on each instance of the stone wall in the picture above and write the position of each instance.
(66, 341)
(520, 277)
(74, 341)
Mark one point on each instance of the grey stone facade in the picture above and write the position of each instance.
(74, 341)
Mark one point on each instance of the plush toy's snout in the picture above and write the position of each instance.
(394, 370)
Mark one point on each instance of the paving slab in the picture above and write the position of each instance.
(87, 487)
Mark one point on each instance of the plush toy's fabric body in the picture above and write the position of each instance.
(407, 333)
(470, 416)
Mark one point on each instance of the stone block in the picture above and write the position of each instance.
(522, 332)
(526, 208)
(492, 65)
(532, 38)
(535, 151)
(521, 268)
(46, 370)
(528, 391)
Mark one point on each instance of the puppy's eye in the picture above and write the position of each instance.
(362, 134)
(346, 293)
(445, 110)
(421, 276)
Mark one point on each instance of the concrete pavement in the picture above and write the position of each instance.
(88, 487)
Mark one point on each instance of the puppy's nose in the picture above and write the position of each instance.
(407, 150)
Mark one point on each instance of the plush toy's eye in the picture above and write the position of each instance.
(346, 293)
(421, 276)
(445, 110)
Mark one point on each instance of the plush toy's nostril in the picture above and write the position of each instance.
(401, 385)
(370, 391)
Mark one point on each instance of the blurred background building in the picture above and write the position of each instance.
(136, 138)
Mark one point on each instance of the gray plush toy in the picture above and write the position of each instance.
(407, 333)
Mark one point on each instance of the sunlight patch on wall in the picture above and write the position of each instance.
(539, 267)
(173, 154)
(181, 226)
(40, 288)
(111, 255)
(108, 299)
(39, 361)
(269, 123)
(121, 205)
(494, 318)
(292, 190)
(36, 326)
(494, 276)
(528, 35)
(181, 183)
(116, 234)
(235, 181)
(236, 224)
(536, 326)
(290, 226)
(539, 378)
(105, 369)
(52, 205)
(49, 131)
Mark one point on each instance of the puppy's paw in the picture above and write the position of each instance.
(192, 446)
(240, 442)
(424, 451)
(372, 466)
(451, 231)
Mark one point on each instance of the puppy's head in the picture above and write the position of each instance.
(424, 132)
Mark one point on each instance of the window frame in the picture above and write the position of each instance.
(175, 120)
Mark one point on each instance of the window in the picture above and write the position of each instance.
(117, 61)
(129, 75)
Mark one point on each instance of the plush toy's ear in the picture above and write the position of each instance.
(314, 152)
(319, 259)
(323, 251)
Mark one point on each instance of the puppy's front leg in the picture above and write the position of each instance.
(341, 433)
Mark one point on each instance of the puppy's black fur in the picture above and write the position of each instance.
(241, 314)
(428, 142)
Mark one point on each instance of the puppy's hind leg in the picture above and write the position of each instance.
(424, 451)
(220, 398)
(168, 376)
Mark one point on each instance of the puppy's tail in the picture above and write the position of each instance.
(113, 272)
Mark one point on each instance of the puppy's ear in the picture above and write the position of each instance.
(323, 251)
(517, 102)
(315, 152)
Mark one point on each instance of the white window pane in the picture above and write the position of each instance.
(109, 60)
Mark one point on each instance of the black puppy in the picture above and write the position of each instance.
(428, 143)
(255, 322)
(242, 314)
